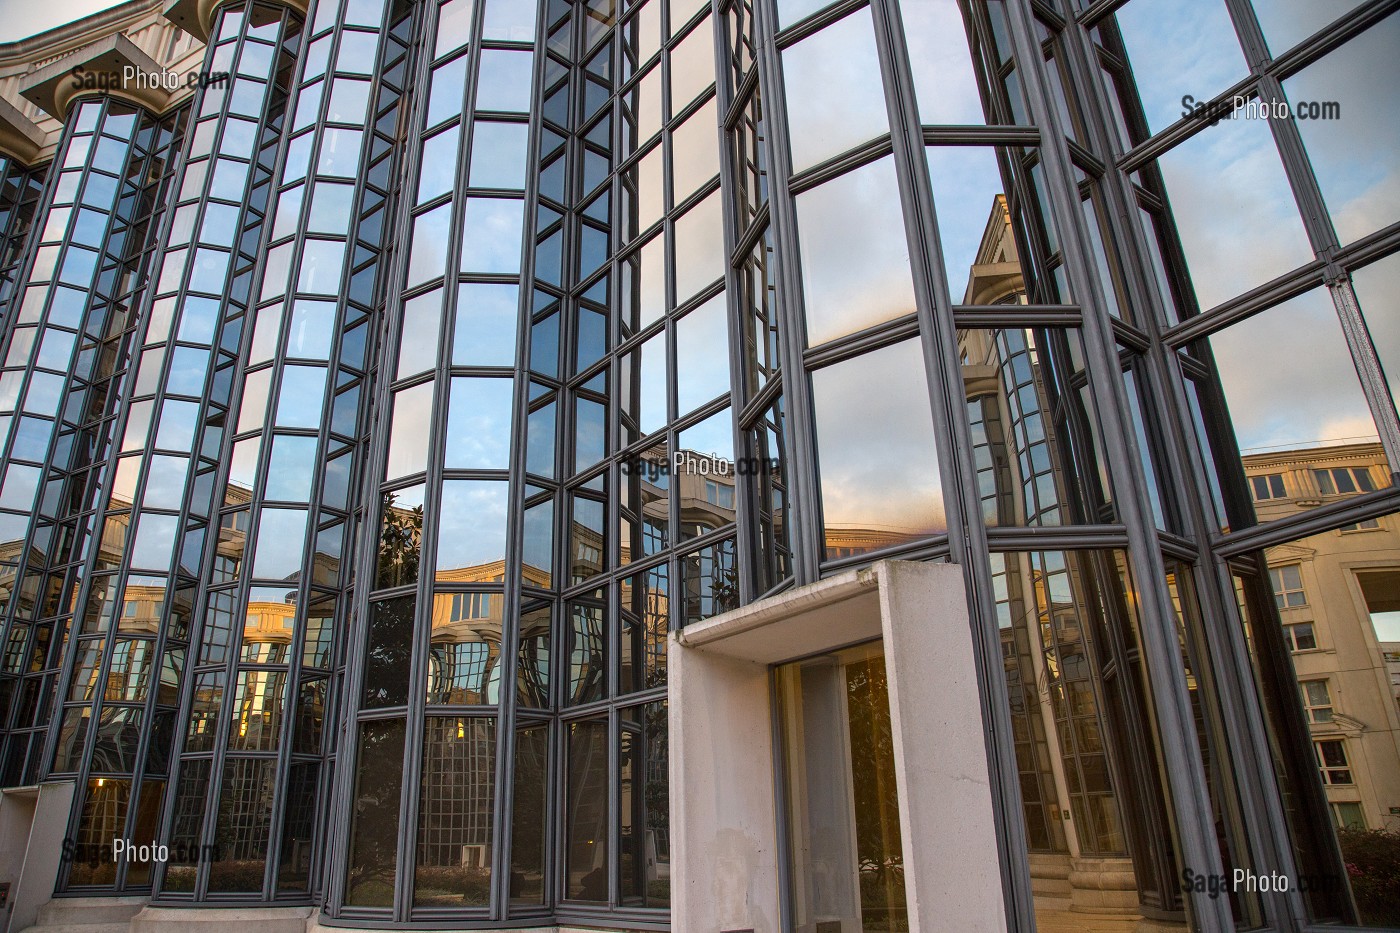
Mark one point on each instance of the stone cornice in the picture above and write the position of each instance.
(53, 88)
(20, 137)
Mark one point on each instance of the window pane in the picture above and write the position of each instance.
(456, 805)
(855, 258)
(374, 818)
(1353, 155)
(835, 98)
(471, 531)
(879, 468)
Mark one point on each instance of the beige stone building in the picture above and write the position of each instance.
(1329, 588)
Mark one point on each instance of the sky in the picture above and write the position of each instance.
(20, 19)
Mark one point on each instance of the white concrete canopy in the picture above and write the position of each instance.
(724, 789)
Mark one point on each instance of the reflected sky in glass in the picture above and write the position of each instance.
(478, 424)
(1355, 157)
(875, 447)
(966, 182)
(471, 527)
(1289, 380)
(855, 258)
(1287, 22)
(939, 56)
(835, 98)
(1235, 213)
(1179, 47)
(491, 232)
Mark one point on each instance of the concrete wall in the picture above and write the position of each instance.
(724, 790)
(33, 822)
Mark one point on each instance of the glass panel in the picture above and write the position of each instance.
(702, 366)
(464, 655)
(644, 849)
(388, 651)
(241, 836)
(1035, 447)
(1235, 215)
(645, 624)
(1179, 48)
(835, 98)
(699, 241)
(586, 812)
(1285, 415)
(471, 531)
(374, 817)
(845, 852)
(498, 155)
(491, 232)
(855, 258)
(408, 433)
(879, 466)
(485, 328)
(478, 424)
(1352, 152)
(944, 84)
(529, 815)
(456, 804)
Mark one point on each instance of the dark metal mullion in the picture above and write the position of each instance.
(737, 317)
(804, 491)
(1189, 804)
(947, 402)
(503, 824)
(374, 441)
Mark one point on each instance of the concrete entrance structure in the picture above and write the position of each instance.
(725, 793)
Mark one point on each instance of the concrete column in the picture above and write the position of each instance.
(33, 822)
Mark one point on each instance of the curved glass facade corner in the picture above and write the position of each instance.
(371, 421)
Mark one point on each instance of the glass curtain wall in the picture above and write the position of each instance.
(253, 766)
(137, 603)
(67, 353)
(21, 187)
(426, 693)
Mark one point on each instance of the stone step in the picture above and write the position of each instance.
(221, 920)
(117, 927)
(89, 911)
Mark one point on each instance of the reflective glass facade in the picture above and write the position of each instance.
(370, 421)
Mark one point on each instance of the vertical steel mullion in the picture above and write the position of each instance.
(804, 492)
(947, 400)
(745, 521)
(503, 826)
(373, 441)
(1184, 770)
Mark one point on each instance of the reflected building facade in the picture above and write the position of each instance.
(378, 407)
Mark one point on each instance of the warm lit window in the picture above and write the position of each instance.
(1269, 486)
(1317, 700)
(1301, 637)
(1332, 759)
(1344, 481)
(1288, 586)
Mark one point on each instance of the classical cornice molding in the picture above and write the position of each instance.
(54, 87)
(20, 137)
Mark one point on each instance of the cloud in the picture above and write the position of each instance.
(20, 19)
